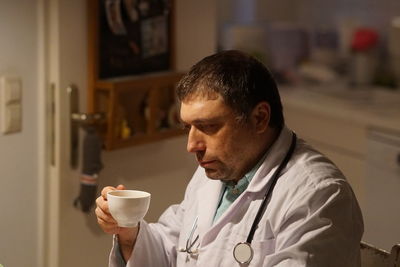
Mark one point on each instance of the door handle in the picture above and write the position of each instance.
(77, 120)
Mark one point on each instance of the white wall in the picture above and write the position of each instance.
(18, 152)
(196, 31)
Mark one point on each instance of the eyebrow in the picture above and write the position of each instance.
(204, 120)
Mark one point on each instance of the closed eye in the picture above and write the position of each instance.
(208, 128)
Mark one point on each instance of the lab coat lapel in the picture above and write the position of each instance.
(208, 196)
(271, 163)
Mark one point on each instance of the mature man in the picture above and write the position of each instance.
(260, 197)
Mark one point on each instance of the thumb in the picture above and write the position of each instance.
(120, 187)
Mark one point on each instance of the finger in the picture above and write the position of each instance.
(109, 228)
(103, 205)
(105, 217)
(121, 187)
(106, 190)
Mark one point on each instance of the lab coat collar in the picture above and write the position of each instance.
(210, 194)
(274, 157)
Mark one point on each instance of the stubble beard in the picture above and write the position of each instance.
(223, 174)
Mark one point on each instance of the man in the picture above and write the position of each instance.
(231, 108)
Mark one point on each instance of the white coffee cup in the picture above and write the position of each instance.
(128, 207)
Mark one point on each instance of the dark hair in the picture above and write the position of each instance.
(240, 79)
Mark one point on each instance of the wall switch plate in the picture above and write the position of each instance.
(12, 122)
(11, 89)
(10, 104)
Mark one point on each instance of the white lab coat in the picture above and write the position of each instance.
(312, 219)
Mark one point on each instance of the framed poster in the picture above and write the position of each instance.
(132, 37)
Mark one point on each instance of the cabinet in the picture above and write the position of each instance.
(131, 77)
(341, 140)
(382, 186)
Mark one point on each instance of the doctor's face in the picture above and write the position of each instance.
(223, 146)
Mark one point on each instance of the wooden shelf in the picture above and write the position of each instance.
(139, 109)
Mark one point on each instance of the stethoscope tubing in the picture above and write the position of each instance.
(275, 177)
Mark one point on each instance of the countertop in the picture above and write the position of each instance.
(372, 107)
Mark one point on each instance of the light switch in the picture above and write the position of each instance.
(10, 104)
(11, 88)
(12, 121)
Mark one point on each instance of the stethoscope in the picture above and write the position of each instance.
(243, 252)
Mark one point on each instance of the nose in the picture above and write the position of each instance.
(195, 141)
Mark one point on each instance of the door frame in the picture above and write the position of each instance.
(50, 121)
(46, 245)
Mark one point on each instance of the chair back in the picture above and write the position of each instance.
(372, 256)
(395, 256)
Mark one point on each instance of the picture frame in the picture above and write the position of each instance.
(130, 37)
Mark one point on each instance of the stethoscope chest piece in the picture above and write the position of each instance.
(243, 253)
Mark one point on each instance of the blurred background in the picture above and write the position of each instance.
(337, 64)
(316, 40)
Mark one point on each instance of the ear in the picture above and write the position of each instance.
(260, 116)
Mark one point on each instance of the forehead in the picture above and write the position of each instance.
(204, 109)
